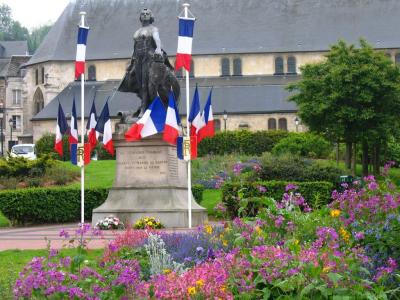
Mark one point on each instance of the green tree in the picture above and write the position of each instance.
(36, 37)
(351, 97)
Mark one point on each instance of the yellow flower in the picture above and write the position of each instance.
(223, 288)
(345, 234)
(258, 230)
(208, 229)
(191, 290)
(225, 243)
(150, 223)
(167, 271)
(326, 269)
(296, 241)
(335, 213)
(200, 282)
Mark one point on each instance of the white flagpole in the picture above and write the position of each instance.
(82, 13)
(186, 9)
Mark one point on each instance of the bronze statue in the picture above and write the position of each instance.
(149, 72)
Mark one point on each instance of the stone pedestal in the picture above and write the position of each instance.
(150, 181)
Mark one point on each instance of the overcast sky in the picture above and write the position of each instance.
(33, 13)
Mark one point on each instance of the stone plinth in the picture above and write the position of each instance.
(150, 181)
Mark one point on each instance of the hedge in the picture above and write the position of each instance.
(242, 141)
(49, 205)
(56, 205)
(315, 193)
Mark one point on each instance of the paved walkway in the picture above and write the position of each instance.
(35, 237)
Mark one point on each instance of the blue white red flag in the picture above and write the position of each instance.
(74, 153)
(73, 132)
(103, 126)
(195, 119)
(193, 147)
(61, 129)
(208, 118)
(152, 122)
(81, 51)
(185, 38)
(172, 121)
(93, 135)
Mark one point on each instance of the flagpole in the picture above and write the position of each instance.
(82, 13)
(189, 167)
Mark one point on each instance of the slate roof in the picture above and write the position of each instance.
(13, 48)
(225, 26)
(238, 99)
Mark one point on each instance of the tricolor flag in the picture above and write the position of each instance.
(93, 135)
(61, 129)
(104, 126)
(208, 118)
(195, 119)
(73, 132)
(172, 121)
(81, 51)
(193, 147)
(74, 153)
(152, 122)
(185, 38)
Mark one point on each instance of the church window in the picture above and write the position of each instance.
(271, 124)
(225, 68)
(92, 73)
(278, 65)
(291, 65)
(36, 76)
(42, 77)
(237, 67)
(38, 101)
(282, 123)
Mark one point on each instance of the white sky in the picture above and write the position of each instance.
(33, 13)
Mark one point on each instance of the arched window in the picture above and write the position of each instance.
(92, 73)
(237, 67)
(217, 125)
(36, 76)
(282, 124)
(278, 65)
(225, 68)
(38, 101)
(291, 65)
(191, 73)
(397, 59)
(271, 124)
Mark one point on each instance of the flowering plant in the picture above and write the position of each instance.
(148, 223)
(110, 223)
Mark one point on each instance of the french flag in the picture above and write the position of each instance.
(152, 122)
(208, 129)
(185, 38)
(195, 119)
(73, 133)
(81, 51)
(172, 121)
(93, 135)
(103, 126)
(86, 154)
(61, 129)
(193, 147)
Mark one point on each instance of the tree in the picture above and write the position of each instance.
(351, 97)
(36, 37)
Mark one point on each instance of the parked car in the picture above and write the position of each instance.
(27, 151)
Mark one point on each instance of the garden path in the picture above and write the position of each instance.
(35, 237)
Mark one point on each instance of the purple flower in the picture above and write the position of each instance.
(64, 234)
(373, 186)
(278, 221)
(359, 235)
(262, 189)
(290, 187)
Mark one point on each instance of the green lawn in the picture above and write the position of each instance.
(210, 200)
(97, 174)
(13, 261)
(4, 222)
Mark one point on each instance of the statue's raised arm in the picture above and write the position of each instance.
(150, 72)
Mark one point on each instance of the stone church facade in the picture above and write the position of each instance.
(248, 51)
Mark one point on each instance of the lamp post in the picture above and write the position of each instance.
(225, 118)
(296, 122)
(10, 143)
(1, 128)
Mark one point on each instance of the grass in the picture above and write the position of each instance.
(13, 261)
(210, 199)
(97, 174)
(4, 222)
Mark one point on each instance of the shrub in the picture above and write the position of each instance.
(242, 141)
(197, 191)
(49, 205)
(21, 167)
(303, 144)
(294, 168)
(315, 193)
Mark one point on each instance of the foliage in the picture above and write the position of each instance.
(4, 222)
(303, 144)
(197, 191)
(291, 167)
(316, 193)
(110, 223)
(242, 141)
(49, 205)
(36, 37)
(148, 223)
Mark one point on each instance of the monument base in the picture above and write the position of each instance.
(149, 182)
